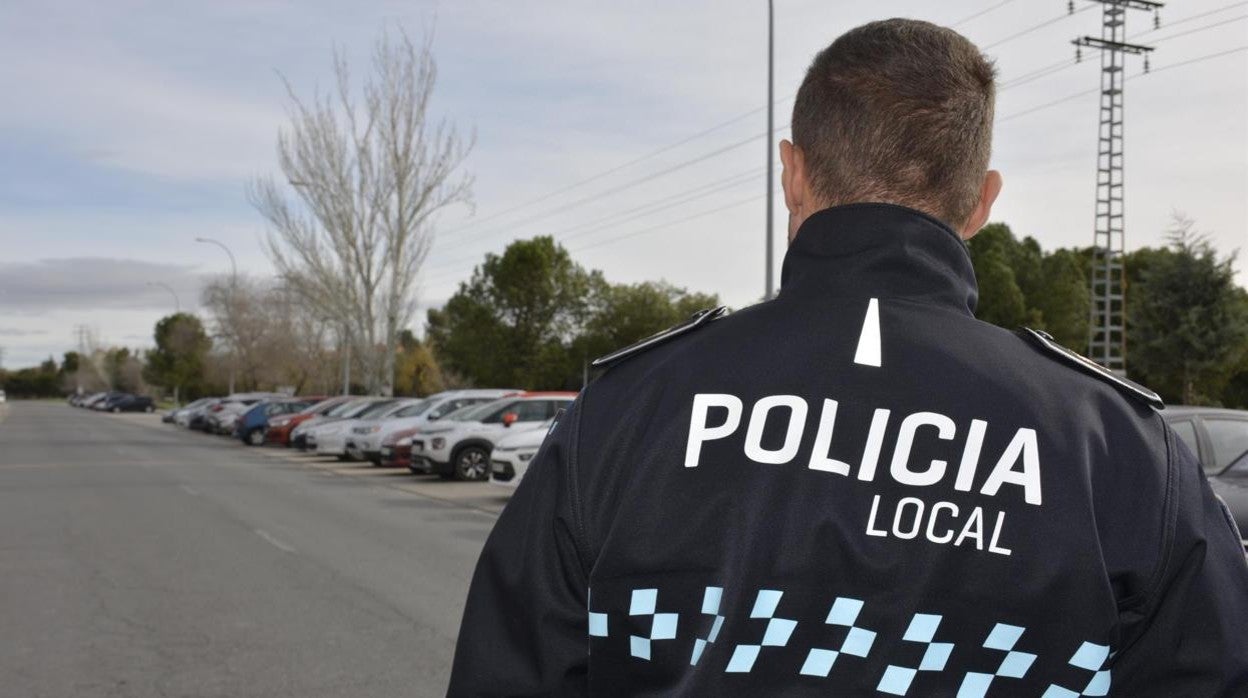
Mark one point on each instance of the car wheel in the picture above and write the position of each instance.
(255, 437)
(472, 464)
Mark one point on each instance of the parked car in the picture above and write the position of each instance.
(1219, 438)
(511, 455)
(98, 400)
(195, 418)
(303, 436)
(396, 449)
(180, 415)
(282, 426)
(461, 450)
(331, 439)
(251, 425)
(125, 402)
(220, 418)
(1232, 486)
(367, 436)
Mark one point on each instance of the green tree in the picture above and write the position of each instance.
(1062, 301)
(511, 323)
(40, 381)
(1002, 268)
(177, 362)
(1188, 320)
(1021, 285)
(626, 313)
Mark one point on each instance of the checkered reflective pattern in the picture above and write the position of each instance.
(776, 635)
(662, 626)
(710, 607)
(923, 626)
(858, 640)
(1090, 657)
(1003, 638)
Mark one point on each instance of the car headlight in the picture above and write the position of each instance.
(403, 442)
(437, 443)
(526, 457)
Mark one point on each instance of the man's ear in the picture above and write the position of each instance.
(793, 180)
(988, 193)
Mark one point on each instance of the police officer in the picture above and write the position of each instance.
(857, 488)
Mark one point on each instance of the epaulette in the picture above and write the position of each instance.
(698, 319)
(1130, 387)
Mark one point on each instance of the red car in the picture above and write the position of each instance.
(396, 449)
(279, 428)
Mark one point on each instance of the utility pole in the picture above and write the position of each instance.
(1107, 320)
(771, 74)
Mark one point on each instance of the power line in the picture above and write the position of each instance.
(663, 204)
(669, 224)
(621, 187)
(979, 14)
(1064, 64)
(622, 166)
(736, 119)
(678, 199)
(1037, 27)
(1198, 59)
(1153, 71)
(1191, 18)
(1200, 29)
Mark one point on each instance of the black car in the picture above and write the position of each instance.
(1219, 438)
(129, 403)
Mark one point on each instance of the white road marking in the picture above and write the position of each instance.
(273, 541)
(189, 490)
(868, 353)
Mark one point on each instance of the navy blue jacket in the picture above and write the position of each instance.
(857, 488)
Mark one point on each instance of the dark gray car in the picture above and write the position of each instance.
(1219, 438)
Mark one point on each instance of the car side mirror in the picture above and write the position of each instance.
(510, 418)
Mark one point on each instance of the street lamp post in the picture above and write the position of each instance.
(771, 72)
(233, 288)
(177, 304)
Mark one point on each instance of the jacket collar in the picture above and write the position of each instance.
(880, 250)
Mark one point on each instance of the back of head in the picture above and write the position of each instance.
(898, 111)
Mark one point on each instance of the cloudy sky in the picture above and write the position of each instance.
(130, 128)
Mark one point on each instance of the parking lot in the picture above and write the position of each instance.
(142, 559)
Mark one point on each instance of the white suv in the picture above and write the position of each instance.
(461, 450)
(511, 455)
(367, 434)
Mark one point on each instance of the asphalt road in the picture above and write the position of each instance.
(137, 559)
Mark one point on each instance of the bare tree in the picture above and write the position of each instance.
(278, 340)
(371, 174)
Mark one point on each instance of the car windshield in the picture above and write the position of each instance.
(350, 408)
(322, 407)
(414, 410)
(377, 409)
(474, 413)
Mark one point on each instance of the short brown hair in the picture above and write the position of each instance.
(898, 111)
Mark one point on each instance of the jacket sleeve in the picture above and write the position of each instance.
(525, 625)
(1192, 640)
